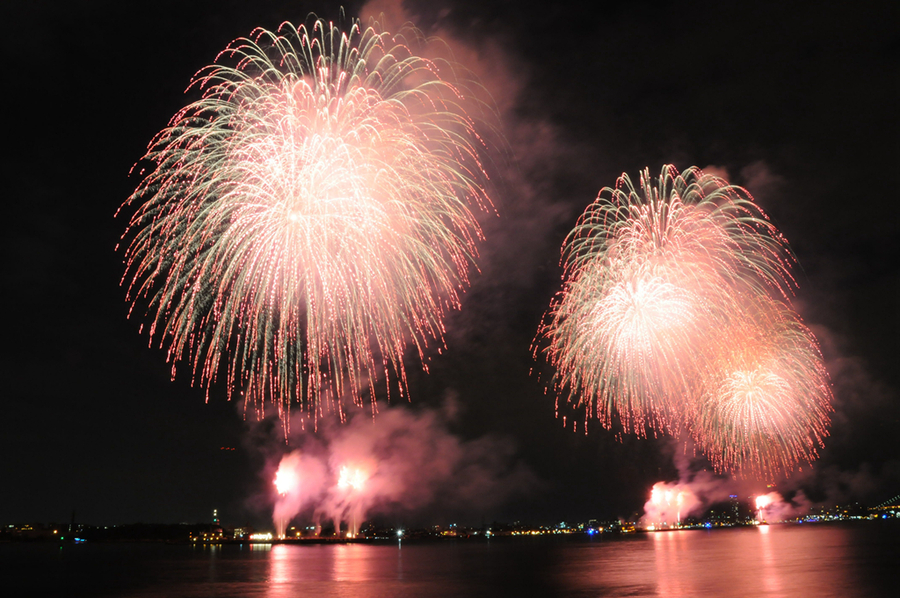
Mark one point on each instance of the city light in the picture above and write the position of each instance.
(262, 537)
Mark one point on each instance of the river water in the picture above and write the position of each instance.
(842, 559)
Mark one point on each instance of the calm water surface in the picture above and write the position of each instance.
(847, 559)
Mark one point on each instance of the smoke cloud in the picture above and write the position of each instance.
(400, 461)
(526, 161)
(772, 507)
(671, 502)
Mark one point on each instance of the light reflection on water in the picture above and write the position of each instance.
(279, 570)
(771, 581)
(762, 561)
(734, 562)
(291, 565)
(790, 560)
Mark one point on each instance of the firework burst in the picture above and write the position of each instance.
(767, 404)
(675, 314)
(311, 217)
(653, 287)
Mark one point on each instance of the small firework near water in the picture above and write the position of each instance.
(659, 319)
(670, 503)
(311, 218)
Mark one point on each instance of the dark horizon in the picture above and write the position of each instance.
(797, 104)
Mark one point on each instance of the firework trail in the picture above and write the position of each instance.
(653, 284)
(675, 314)
(311, 217)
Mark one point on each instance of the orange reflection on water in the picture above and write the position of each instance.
(669, 550)
(706, 563)
(767, 564)
(280, 571)
(761, 561)
(352, 562)
(294, 570)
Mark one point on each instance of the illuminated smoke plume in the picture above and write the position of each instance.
(400, 461)
(763, 502)
(669, 504)
(299, 482)
(772, 507)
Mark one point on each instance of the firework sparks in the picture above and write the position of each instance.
(767, 405)
(312, 216)
(652, 289)
(675, 314)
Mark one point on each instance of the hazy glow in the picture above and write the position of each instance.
(352, 478)
(402, 461)
(668, 504)
(285, 480)
(763, 501)
(311, 217)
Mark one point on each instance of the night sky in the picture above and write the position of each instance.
(797, 103)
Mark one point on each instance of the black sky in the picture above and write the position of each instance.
(797, 102)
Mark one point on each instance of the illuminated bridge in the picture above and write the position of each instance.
(889, 507)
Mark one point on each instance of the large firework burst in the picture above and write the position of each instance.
(311, 216)
(675, 315)
(766, 404)
(652, 290)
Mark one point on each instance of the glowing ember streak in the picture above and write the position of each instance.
(311, 216)
(653, 287)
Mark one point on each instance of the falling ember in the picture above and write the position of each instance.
(312, 216)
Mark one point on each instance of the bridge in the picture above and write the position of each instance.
(891, 505)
